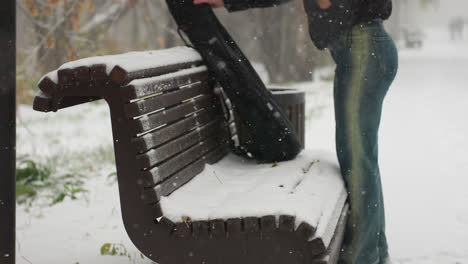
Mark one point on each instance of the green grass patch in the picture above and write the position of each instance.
(34, 179)
(111, 249)
(119, 250)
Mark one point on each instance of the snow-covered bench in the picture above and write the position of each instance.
(184, 197)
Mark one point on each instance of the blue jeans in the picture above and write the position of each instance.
(366, 64)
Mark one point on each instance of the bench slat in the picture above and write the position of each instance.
(305, 230)
(323, 236)
(217, 228)
(268, 223)
(334, 249)
(234, 227)
(200, 230)
(153, 195)
(178, 179)
(171, 131)
(83, 80)
(186, 174)
(121, 76)
(169, 115)
(144, 87)
(99, 75)
(251, 224)
(47, 86)
(154, 156)
(286, 223)
(44, 103)
(75, 86)
(217, 154)
(66, 78)
(82, 76)
(165, 100)
(183, 230)
(169, 167)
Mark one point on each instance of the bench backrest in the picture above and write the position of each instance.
(176, 125)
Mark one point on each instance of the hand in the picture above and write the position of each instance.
(323, 4)
(212, 3)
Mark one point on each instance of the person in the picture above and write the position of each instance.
(366, 64)
(456, 27)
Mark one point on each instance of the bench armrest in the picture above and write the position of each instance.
(88, 79)
(45, 103)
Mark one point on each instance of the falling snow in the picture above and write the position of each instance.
(423, 150)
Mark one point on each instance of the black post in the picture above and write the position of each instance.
(7, 132)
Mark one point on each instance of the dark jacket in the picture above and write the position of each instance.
(370, 9)
(326, 24)
(364, 10)
(238, 5)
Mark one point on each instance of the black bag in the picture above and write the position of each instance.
(273, 137)
(326, 25)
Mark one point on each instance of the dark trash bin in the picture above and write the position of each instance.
(292, 102)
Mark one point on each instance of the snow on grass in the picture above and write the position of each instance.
(79, 141)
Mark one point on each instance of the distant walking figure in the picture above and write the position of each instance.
(456, 27)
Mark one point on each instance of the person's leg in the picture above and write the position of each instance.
(363, 75)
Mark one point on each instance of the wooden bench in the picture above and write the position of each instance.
(169, 119)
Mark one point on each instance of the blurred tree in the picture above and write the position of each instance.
(51, 32)
(59, 26)
(277, 37)
(426, 3)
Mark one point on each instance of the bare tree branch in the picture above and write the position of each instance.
(110, 14)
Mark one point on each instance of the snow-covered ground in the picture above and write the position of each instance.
(423, 153)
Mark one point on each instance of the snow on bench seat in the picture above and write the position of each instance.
(309, 187)
(135, 61)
